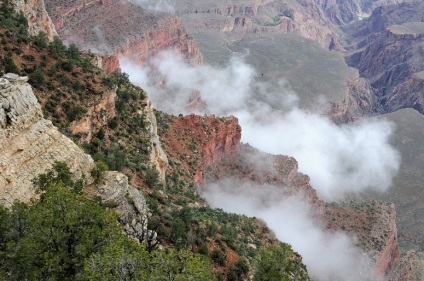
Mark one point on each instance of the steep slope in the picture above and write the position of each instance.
(387, 49)
(120, 28)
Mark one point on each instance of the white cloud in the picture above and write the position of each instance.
(327, 255)
(339, 159)
(165, 6)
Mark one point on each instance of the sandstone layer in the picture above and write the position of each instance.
(29, 144)
(121, 28)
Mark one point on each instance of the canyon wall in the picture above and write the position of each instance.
(121, 29)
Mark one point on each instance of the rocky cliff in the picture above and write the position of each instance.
(208, 149)
(387, 50)
(97, 116)
(201, 142)
(121, 28)
(37, 16)
(30, 144)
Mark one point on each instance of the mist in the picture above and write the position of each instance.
(165, 6)
(340, 159)
(327, 255)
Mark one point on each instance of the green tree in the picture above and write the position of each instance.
(41, 39)
(279, 263)
(74, 52)
(57, 48)
(9, 64)
(59, 173)
(152, 177)
(98, 171)
(55, 235)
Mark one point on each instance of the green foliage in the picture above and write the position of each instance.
(36, 78)
(59, 174)
(152, 177)
(56, 48)
(41, 40)
(74, 112)
(278, 263)
(98, 171)
(9, 64)
(73, 52)
(51, 239)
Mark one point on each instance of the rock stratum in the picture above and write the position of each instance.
(30, 144)
(121, 28)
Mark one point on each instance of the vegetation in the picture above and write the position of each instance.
(66, 235)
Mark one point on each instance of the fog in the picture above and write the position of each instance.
(340, 159)
(166, 6)
(327, 255)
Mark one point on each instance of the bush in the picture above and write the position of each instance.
(152, 177)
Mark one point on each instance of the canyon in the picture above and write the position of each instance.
(384, 48)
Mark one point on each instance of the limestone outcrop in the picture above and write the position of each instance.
(127, 201)
(157, 156)
(29, 144)
(37, 16)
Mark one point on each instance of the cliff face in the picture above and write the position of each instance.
(200, 142)
(30, 144)
(121, 28)
(37, 16)
(208, 149)
(387, 50)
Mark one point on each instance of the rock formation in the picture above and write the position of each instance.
(29, 144)
(128, 201)
(387, 50)
(37, 16)
(121, 28)
(157, 156)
